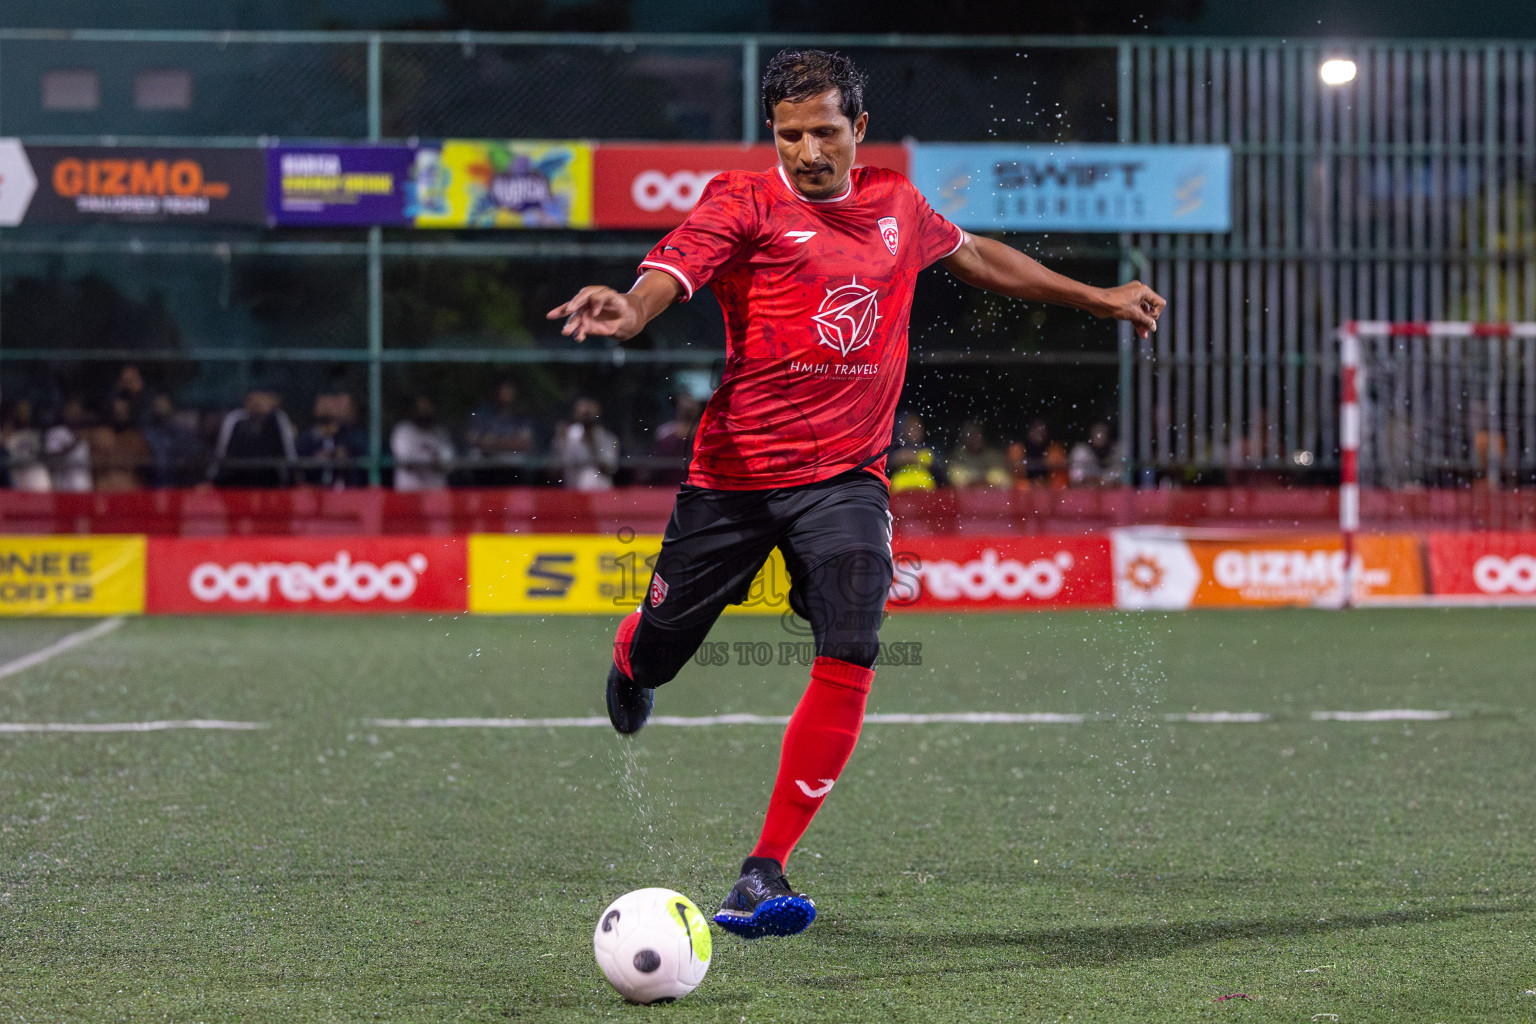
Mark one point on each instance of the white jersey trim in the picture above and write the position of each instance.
(675, 272)
(963, 237)
(807, 199)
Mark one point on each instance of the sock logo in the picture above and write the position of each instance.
(658, 590)
(817, 792)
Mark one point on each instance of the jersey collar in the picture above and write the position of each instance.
(807, 199)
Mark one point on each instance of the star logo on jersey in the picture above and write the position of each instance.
(847, 317)
(890, 234)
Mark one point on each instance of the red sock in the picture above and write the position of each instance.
(622, 642)
(817, 744)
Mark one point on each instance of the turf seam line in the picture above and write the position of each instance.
(59, 646)
(878, 718)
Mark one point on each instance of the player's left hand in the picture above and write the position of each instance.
(1137, 303)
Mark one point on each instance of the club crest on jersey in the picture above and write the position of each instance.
(889, 233)
(658, 590)
(847, 317)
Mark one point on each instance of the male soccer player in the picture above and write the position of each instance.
(814, 265)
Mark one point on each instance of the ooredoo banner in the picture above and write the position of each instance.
(1002, 573)
(1167, 570)
(307, 574)
(131, 183)
(655, 185)
(100, 575)
(1492, 566)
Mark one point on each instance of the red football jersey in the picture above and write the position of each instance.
(816, 296)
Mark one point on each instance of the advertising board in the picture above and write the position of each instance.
(1001, 573)
(655, 185)
(1166, 570)
(65, 575)
(243, 575)
(997, 186)
(322, 186)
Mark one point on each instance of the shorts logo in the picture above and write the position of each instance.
(658, 590)
(816, 792)
(847, 318)
(889, 233)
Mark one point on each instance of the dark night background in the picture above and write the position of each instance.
(1396, 19)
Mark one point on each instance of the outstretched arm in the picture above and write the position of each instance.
(989, 264)
(602, 311)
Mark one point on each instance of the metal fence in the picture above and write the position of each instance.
(1409, 193)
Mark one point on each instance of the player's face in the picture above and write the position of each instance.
(816, 143)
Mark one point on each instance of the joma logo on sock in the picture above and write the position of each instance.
(819, 791)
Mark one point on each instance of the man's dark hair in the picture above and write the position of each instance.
(797, 75)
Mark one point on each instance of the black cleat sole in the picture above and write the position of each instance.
(629, 706)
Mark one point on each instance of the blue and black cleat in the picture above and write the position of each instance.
(763, 903)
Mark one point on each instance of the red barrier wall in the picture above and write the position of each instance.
(204, 512)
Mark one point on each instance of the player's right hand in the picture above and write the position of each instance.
(598, 310)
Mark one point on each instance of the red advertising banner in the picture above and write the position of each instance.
(1495, 566)
(307, 574)
(1002, 573)
(655, 185)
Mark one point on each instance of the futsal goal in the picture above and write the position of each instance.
(1432, 405)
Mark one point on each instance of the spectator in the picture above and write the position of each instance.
(255, 446)
(120, 456)
(914, 466)
(67, 450)
(974, 463)
(178, 453)
(421, 448)
(1037, 460)
(333, 443)
(24, 449)
(1094, 462)
(500, 435)
(674, 440)
(588, 453)
(130, 385)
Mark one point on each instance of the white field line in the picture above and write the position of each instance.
(59, 646)
(162, 726)
(1388, 715)
(959, 717)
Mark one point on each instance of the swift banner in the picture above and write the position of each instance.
(655, 185)
(1494, 567)
(476, 184)
(306, 574)
(1163, 570)
(131, 183)
(1001, 573)
(100, 575)
(1014, 187)
(585, 574)
(339, 185)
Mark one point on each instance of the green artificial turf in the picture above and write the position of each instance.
(1124, 869)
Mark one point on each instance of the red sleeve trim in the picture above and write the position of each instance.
(677, 273)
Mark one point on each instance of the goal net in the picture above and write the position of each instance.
(1433, 405)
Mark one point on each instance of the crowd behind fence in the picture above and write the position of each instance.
(136, 438)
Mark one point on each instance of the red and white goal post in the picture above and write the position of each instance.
(1428, 404)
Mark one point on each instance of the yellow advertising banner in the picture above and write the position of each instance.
(503, 184)
(64, 575)
(585, 574)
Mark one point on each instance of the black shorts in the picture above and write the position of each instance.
(836, 540)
